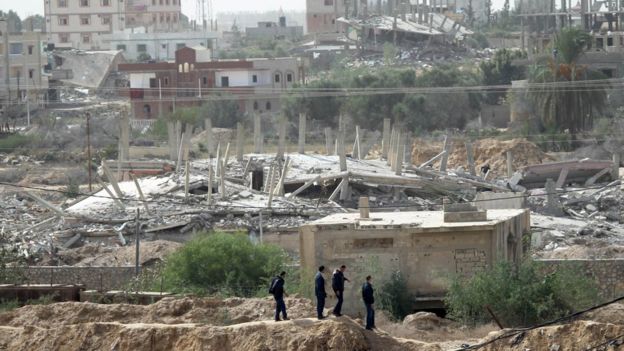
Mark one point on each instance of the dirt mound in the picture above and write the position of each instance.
(486, 151)
(300, 335)
(426, 321)
(578, 335)
(166, 311)
(107, 256)
(613, 313)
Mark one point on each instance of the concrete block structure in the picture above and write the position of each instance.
(79, 24)
(427, 251)
(274, 31)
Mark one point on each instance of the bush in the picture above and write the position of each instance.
(13, 142)
(224, 263)
(519, 296)
(394, 296)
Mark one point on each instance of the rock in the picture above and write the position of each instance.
(591, 208)
(586, 231)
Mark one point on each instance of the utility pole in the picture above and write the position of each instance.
(89, 150)
(137, 242)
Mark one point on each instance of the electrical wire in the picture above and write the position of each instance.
(519, 331)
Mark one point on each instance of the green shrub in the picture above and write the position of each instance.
(394, 296)
(521, 295)
(13, 142)
(223, 263)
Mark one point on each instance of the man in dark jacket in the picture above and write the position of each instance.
(277, 289)
(369, 300)
(319, 291)
(338, 280)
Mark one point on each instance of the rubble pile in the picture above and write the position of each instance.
(486, 151)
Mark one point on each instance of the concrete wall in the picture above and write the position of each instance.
(428, 258)
(608, 274)
(94, 278)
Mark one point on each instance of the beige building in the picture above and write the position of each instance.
(21, 66)
(425, 248)
(80, 24)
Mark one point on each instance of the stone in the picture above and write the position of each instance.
(591, 208)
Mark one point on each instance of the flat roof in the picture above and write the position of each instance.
(412, 219)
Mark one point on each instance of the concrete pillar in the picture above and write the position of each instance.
(385, 142)
(210, 142)
(447, 148)
(364, 207)
(471, 162)
(173, 152)
(328, 141)
(302, 132)
(281, 146)
(257, 133)
(510, 164)
(400, 153)
(240, 142)
(124, 136)
(341, 151)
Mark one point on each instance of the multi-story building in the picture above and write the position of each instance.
(274, 31)
(21, 66)
(158, 46)
(321, 15)
(81, 23)
(159, 87)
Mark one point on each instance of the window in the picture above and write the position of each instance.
(141, 47)
(168, 18)
(277, 78)
(255, 105)
(180, 46)
(268, 106)
(85, 20)
(31, 73)
(106, 20)
(154, 18)
(106, 3)
(329, 2)
(225, 82)
(86, 38)
(84, 3)
(163, 46)
(254, 78)
(166, 2)
(162, 18)
(289, 78)
(121, 47)
(62, 3)
(64, 37)
(186, 67)
(180, 68)
(16, 48)
(153, 83)
(30, 49)
(63, 20)
(174, 18)
(205, 80)
(166, 81)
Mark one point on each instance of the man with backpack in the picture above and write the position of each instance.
(277, 289)
(338, 280)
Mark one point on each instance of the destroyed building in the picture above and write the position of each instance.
(428, 248)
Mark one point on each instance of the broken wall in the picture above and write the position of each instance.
(93, 278)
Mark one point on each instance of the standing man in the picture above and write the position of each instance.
(369, 300)
(338, 280)
(319, 290)
(277, 289)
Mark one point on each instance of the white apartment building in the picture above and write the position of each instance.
(159, 46)
(80, 24)
(21, 66)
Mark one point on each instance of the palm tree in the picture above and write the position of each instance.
(567, 94)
